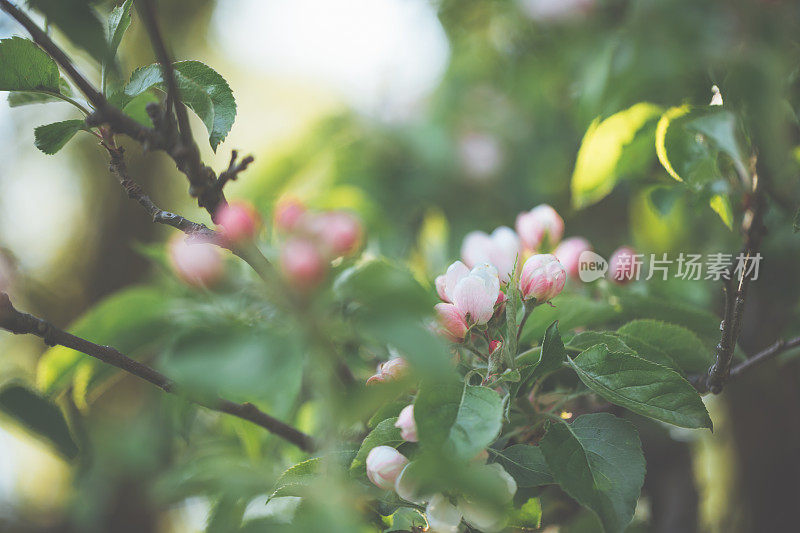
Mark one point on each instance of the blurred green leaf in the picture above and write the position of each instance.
(721, 205)
(39, 416)
(51, 138)
(117, 24)
(136, 108)
(384, 434)
(526, 465)
(226, 516)
(26, 67)
(603, 152)
(721, 128)
(202, 89)
(527, 517)
(295, 479)
(127, 320)
(680, 344)
(598, 461)
(646, 388)
(406, 519)
(572, 311)
(77, 20)
(685, 155)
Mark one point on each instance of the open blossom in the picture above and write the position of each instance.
(442, 515)
(542, 278)
(197, 263)
(384, 465)
(569, 252)
(391, 370)
(302, 263)
(407, 425)
(473, 298)
(500, 249)
(540, 225)
(238, 222)
(624, 265)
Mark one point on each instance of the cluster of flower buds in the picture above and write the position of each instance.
(199, 262)
(537, 231)
(313, 241)
(388, 469)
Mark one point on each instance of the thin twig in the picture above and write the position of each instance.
(22, 323)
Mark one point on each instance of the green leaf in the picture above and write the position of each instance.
(617, 343)
(460, 421)
(127, 320)
(202, 89)
(226, 516)
(384, 434)
(478, 423)
(527, 517)
(39, 416)
(598, 461)
(295, 479)
(601, 158)
(553, 353)
(136, 108)
(526, 465)
(77, 20)
(680, 344)
(571, 311)
(20, 98)
(685, 156)
(51, 138)
(643, 387)
(26, 67)
(721, 205)
(721, 128)
(118, 22)
(406, 519)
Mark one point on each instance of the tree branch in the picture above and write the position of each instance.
(22, 323)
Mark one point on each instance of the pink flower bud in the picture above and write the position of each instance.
(407, 425)
(196, 263)
(288, 214)
(391, 370)
(624, 265)
(541, 225)
(384, 464)
(569, 252)
(542, 278)
(454, 327)
(302, 264)
(339, 233)
(238, 222)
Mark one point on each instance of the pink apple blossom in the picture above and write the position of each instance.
(302, 263)
(407, 425)
(473, 299)
(197, 263)
(624, 265)
(569, 252)
(540, 226)
(480, 154)
(501, 249)
(238, 222)
(384, 465)
(542, 278)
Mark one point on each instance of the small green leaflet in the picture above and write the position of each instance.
(51, 138)
(681, 345)
(39, 416)
(202, 89)
(646, 388)
(26, 67)
(598, 461)
(295, 479)
(118, 22)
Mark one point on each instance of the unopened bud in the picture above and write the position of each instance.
(569, 252)
(302, 264)
(624, 265)
(384, 465)
(540, 225)
(542, 278)
(288, 214)
(407, 425)
(196, 263)
(238, 222)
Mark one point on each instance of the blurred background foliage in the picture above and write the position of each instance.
(429, 119)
